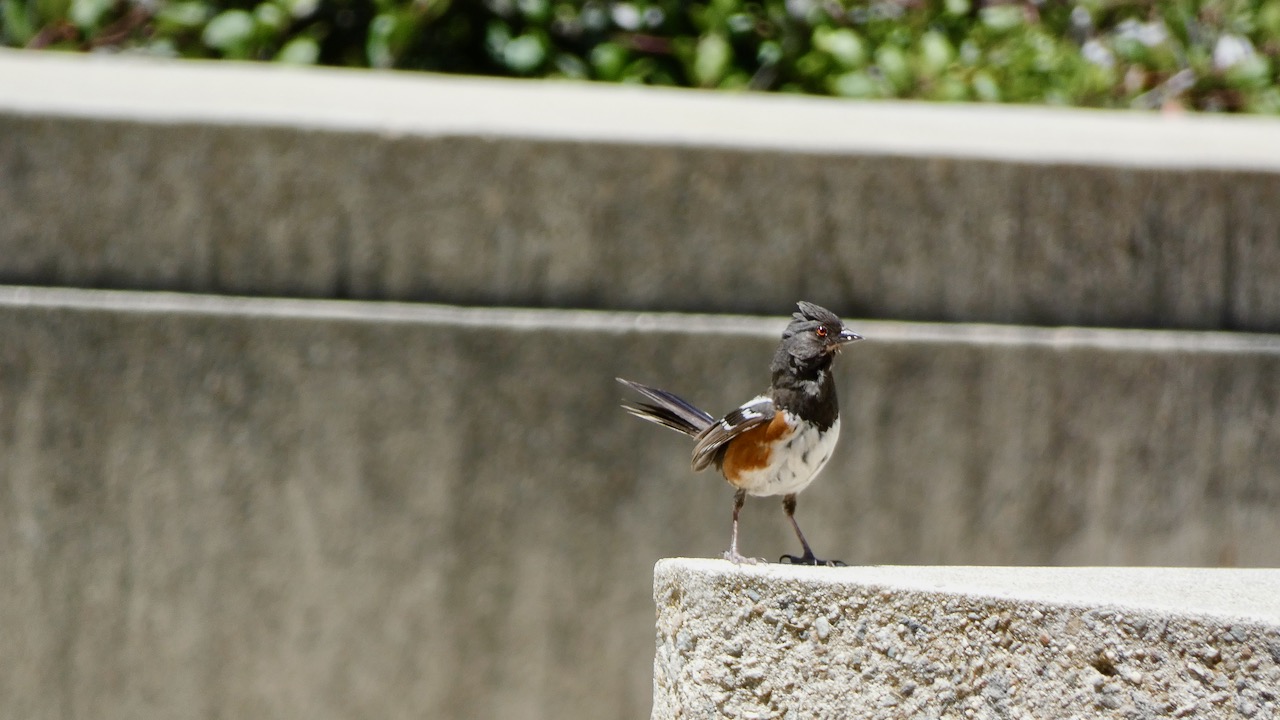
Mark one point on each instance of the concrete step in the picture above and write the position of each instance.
(258, 180)
(982, 642)
(327, 509)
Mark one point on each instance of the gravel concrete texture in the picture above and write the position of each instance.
(227, 178)
(229, 507)
(965, 642)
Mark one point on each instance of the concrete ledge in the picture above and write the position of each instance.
(256, 180)
(429, 105)
(976, 642)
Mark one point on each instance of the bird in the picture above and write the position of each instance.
(777, 442)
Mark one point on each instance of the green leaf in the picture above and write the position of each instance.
(161, 48)
(813, 65)
(855, 84)
(638, 71)
(844, 45)
(183, 15)
(535, 11)
(607, 60)
(524, 53)
(935, 54)
(87, 14)
(1253, 72)
(229, 30)
(571, 66)
(950, 89)
(985, 86)
(893, 65)
(379, 47)
(711, 59)
(1002, 18)
(17, 27)
(1269, 19)
(770, 53)
(496, 37)
(1267, 101)
(300, 8)
(300, 51)
(271, 16)
(740, 24)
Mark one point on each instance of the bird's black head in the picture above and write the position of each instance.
(801, 366)
(813, 337)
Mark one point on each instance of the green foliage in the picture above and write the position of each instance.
(1216, 55)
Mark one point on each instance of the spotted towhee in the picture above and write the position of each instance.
(776, 443)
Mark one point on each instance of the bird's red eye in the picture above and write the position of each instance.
(821, 331)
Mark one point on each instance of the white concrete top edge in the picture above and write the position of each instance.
(170, 91)
(1252, 594)
(618, 321)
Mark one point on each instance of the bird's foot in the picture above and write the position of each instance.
(809, 559)
(733, 556)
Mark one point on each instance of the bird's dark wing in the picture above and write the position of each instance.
(711, 442)
(667, 410)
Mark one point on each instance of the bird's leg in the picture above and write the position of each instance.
(789, 507)
(732, 554)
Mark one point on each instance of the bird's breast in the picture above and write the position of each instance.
(779, 458)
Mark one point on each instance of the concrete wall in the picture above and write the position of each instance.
(215, 507)
(894, 642)
(232, 179)
(266, 508)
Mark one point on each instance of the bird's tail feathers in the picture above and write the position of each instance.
(667, 410)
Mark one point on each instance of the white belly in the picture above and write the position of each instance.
(793, 469)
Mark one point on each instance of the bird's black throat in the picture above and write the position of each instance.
(805, 388)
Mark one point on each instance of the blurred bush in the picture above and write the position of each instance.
(1217, 55)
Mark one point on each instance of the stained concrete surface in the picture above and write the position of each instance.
(109, 86)
(226, 178)
(218, 507)
(974, 642)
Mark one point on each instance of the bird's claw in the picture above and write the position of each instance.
(809, 559)
(740, 559)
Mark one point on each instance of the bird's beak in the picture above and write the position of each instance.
(847, 336)
(844, 338)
